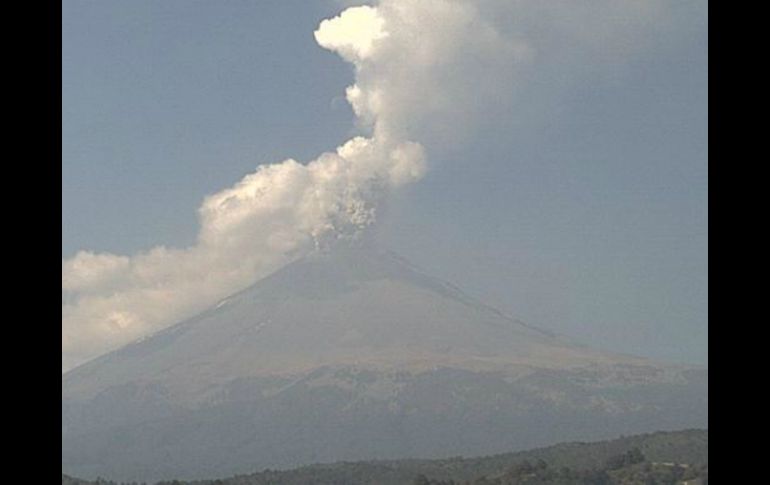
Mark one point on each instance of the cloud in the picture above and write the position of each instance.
(352, 33)
(423, 69)
(436, 67)
(271, 216)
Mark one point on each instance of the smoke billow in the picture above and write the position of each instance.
(269, 217)
(421, 67)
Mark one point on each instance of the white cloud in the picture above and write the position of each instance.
(269, 217)
(353, 33)
(438, 65)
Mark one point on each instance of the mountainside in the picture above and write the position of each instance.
(353, 354)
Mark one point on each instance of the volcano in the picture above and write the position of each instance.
(348, 354)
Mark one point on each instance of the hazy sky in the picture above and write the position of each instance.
(577, 203)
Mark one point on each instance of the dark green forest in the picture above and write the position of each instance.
(660, 458)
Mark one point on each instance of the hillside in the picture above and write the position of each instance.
(609, 461)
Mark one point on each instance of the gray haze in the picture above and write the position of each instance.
(578, 204)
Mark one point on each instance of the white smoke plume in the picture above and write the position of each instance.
(420, 65)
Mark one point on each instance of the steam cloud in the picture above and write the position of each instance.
(418, 65)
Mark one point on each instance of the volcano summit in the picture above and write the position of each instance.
(353, 354)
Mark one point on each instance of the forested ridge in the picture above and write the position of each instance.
(649, 459)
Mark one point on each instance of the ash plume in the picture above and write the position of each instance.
(421, 68)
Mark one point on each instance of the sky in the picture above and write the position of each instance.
(549, 159)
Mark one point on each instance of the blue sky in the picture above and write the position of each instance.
(581, 206)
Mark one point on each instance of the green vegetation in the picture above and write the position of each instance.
(629, 468)
(663, 458)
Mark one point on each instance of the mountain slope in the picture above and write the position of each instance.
(352, 354)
